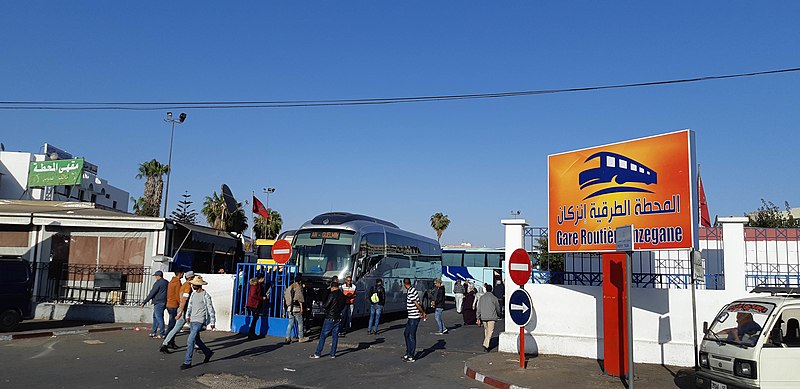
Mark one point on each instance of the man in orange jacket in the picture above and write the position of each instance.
(173, 298)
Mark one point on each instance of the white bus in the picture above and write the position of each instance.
(341, 244)
(478, 265)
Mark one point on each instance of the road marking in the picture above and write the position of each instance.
(46, 351)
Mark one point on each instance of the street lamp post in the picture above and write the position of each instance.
(268, 191)
(169, 119)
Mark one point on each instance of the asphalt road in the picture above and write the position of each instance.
(131, 359)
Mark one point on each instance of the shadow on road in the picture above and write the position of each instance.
(361, 346)
(439, 345)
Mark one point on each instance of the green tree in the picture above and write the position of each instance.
(770, 216)
(544, 259)
(439, 222)
(265, 229)
(218, 216)
(153, 173)
(184, 212)
(138, 205)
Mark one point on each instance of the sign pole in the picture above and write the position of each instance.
(628, 281)
(695, 257)
(522, 347)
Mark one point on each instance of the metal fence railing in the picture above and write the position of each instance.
(77, 283)
(663, 269)
(772, 257)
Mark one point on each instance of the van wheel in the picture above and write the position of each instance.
(426, 302)
(9, 320)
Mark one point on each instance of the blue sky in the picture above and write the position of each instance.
(472, 160)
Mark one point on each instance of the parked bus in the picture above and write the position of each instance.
(264, 251)
(478, 265)
(341, 244)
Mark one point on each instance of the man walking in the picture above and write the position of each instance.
(458, 291)
(415, 312)
(349, 291)
(377, 299)
(293, 299)
(186, 290)
(438, 305)
(173, 298)
(199, 313)
(334, 305)
(488, 313)
(159, 296)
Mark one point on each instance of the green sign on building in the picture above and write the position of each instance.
(54, 173)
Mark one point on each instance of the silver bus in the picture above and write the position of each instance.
(341, 244)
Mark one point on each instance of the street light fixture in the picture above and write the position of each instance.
(169, 119)
(268, 191)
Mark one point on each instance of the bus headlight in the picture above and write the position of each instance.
(704, 359)
(744, 368)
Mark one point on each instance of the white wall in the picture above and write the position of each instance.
(221, 289)
(568, 320)
(14, 180)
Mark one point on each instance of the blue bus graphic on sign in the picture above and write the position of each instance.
(617, 168)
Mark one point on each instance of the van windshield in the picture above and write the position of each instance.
(324, 253)
(740, 323)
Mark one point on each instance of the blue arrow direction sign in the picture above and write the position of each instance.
(520, 307)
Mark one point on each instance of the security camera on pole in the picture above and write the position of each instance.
(520, 307)
(169, 119)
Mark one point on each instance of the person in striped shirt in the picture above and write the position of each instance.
(415, 313)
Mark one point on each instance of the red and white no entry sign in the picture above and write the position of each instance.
(519, 267)
(281, 251)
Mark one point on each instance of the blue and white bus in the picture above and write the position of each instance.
(478, 265)
(341, 244)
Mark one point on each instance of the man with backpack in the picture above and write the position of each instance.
(377, 299)
(293, 300)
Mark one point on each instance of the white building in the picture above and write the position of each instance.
(14, 173)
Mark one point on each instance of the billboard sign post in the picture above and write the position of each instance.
(650, 182)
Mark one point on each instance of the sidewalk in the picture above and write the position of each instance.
(44, 328)
(501, 370)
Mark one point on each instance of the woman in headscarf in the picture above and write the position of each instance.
(467, 306)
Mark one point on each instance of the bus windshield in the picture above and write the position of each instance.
(324, 253)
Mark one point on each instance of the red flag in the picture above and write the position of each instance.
(705, 220)
(259, 208)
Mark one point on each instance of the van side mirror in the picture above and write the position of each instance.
(705, 328)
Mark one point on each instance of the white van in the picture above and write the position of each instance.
(753, 343)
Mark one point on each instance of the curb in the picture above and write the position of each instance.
(45, 334)
(489, 380)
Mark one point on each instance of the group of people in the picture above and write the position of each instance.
(188, 302)
(185, 302)
(480, 307)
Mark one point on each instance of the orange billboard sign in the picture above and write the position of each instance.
(649, 183)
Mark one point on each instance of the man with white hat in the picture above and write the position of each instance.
(180, 320)
(199, 313)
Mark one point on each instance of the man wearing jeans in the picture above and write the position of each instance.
(333, 316)
(159, 296)
(186, 290)
(173, 298)
(377, 299)
(415, 312)
(293, 298)
(438, 305)
(199, 313)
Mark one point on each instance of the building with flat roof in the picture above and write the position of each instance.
(25, 176)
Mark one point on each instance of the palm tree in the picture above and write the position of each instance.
(439, 222)
(268, 229)
(218, 216)
(153, 172)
